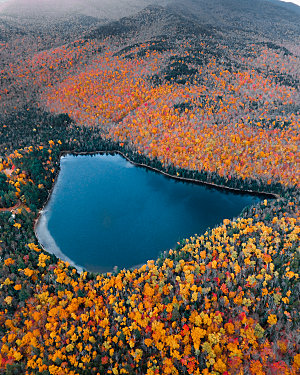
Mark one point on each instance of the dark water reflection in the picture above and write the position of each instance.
(105, 212)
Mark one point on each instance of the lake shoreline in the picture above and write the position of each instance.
(141, 165)
(179, 178)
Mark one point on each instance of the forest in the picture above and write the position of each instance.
(197, 103)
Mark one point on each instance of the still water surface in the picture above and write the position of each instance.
(105, 212)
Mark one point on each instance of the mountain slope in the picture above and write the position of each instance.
(151, 22)
(287, 5)
(102, 9)
(268, 18)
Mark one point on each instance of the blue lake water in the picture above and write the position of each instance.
(105, 212)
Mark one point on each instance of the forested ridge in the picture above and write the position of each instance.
(193, 101)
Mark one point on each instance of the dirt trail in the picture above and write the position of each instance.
(11, 208)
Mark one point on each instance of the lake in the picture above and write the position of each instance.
(106, 212)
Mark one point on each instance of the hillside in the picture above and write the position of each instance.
(273, 19)
(104, 9)
(201, 90)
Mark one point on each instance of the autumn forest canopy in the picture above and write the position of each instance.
(200, 90)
